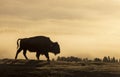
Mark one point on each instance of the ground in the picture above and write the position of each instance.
(34, 68)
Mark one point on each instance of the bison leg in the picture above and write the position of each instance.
(18, 51)
(38, 55)
(47, 56)
(24, 53)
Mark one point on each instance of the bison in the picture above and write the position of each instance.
(39, 44)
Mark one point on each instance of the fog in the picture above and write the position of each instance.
(72, 43)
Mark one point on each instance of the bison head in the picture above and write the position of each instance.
(55, 48)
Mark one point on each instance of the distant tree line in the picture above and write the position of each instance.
(77, 59)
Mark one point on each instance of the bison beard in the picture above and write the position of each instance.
(38, 44)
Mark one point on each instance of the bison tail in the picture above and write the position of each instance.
(18, 43)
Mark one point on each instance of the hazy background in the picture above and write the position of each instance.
(83, 28)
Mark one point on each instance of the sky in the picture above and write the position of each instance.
(83, 28)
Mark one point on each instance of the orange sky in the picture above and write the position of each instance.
(84, 28)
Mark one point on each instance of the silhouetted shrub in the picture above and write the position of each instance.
(69, 59)
(97, 60)
(76, 59)
(105, 59)
(113, 60)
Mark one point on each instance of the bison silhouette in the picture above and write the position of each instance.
(39, 44)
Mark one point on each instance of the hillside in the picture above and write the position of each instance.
(34, 68)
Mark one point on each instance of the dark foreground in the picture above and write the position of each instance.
(34, 68)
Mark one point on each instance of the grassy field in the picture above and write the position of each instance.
(34, 68)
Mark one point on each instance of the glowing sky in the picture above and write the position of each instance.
(84, 28)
